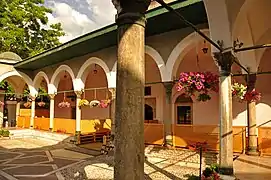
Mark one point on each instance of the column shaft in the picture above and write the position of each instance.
(33, 109)
(52, 111)
(168, 115)
(252, 148)
(112, 111)
(78, 112)
(225, 61)
(18, 107)
(129, 129)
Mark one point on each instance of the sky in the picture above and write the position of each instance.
(79, 17)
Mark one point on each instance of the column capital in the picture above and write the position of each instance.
(32, 98)
(131, 12)
(224, 61)
(113, 92)
(168, 86)
(251, 81)
(52, 96)
(78, 93)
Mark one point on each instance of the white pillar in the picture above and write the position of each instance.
(2, 97)
(112, 111)
(78, 112)
(33, 109)
(18, 107)
(52, 111)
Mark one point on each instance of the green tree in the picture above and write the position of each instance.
(24, 27)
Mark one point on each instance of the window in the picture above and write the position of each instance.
(148, 91)
(183, 108)
(184, 115)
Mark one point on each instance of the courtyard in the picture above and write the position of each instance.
(33, 158)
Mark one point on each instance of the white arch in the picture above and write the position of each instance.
(180, 50)
(38, 78)
(82, 74)
(160, 63)
(158, 60)
(26, 78)
(52, 87)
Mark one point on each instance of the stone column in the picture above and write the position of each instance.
(168, 114)
(33, 109)
(78, 112)
(112, 111)
(251, 118)
(224, 61)
(2, 99)
(52, 111)
(11, 107)
(18, 107)
(129, 128)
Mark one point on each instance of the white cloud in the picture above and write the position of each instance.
(75, 23)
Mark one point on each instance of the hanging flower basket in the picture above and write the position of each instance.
(105, 103)
(1, 104)
(27, 104)
(201, 83)
(94, 103)
(239, 90)
(64, 104)
(252, 96)
(41, 104)
(83, 102)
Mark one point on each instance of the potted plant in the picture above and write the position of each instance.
(105, 103)
(83, 102)
(27, 104)
(64, 104)
(41, 104)
(94, 103)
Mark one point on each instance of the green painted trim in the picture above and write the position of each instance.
(175, 5)
(100, 32)
(73, 42)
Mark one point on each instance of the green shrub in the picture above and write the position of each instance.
(4, 133)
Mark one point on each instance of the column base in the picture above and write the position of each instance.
(252, 151)
(226, 170)
(31, 127)
(168, 143)
(51, 129)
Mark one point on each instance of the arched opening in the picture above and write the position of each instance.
(95, 118)
(148, 112)
(153, 89)
(65, 93)
(263, 107)
(12, 91)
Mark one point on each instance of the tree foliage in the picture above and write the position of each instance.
(24, 27)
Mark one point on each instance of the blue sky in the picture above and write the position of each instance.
(79, 17)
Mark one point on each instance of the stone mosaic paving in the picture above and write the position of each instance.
(30, 160)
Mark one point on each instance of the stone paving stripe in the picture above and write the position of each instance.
(9, 160)
(37, 159)
(48, 154)
(58, 174)
(52, 172)
(8, 176)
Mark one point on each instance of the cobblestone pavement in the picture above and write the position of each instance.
(26, 159)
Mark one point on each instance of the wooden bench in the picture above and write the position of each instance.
(93, 137)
